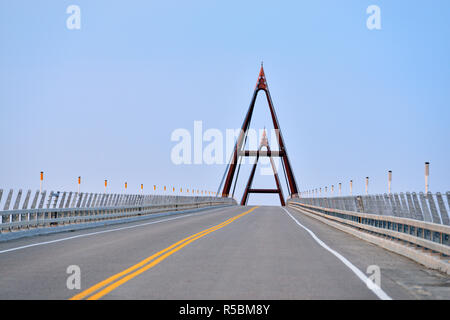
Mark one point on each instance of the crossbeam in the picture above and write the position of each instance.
(261, 153)
(263, 191)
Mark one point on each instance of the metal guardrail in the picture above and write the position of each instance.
(426, 235)
(70, 207)
(424, 207)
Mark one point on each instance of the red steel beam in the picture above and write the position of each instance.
(263, 191)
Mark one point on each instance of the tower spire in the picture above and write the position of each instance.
(261, 83)
(264, 141)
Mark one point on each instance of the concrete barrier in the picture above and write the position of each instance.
(423, 207)
(22, 233)
(425, 242)
(69, 208)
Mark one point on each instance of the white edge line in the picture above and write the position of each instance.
(99, 232)
(374, 288)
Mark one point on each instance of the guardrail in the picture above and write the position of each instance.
(70, 207)
(424, 207)
(421, 234)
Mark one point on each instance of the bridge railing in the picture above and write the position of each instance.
(55, 208)
(424, 207)
(427, 235)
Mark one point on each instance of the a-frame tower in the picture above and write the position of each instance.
(238, 151)
(249, 189)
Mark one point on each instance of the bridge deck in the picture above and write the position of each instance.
(264, 254)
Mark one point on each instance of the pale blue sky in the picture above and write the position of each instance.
(102, 102)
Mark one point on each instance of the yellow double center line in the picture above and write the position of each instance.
(104, 287)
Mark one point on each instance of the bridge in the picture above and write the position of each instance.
(90, 246)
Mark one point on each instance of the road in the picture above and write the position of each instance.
(223, 253)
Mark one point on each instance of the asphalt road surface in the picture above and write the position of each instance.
(226, 253)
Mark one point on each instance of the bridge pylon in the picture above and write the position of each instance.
(238, 152)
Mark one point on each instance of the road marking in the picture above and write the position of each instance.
(375, 289)
(104, 231)
(128, 274)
